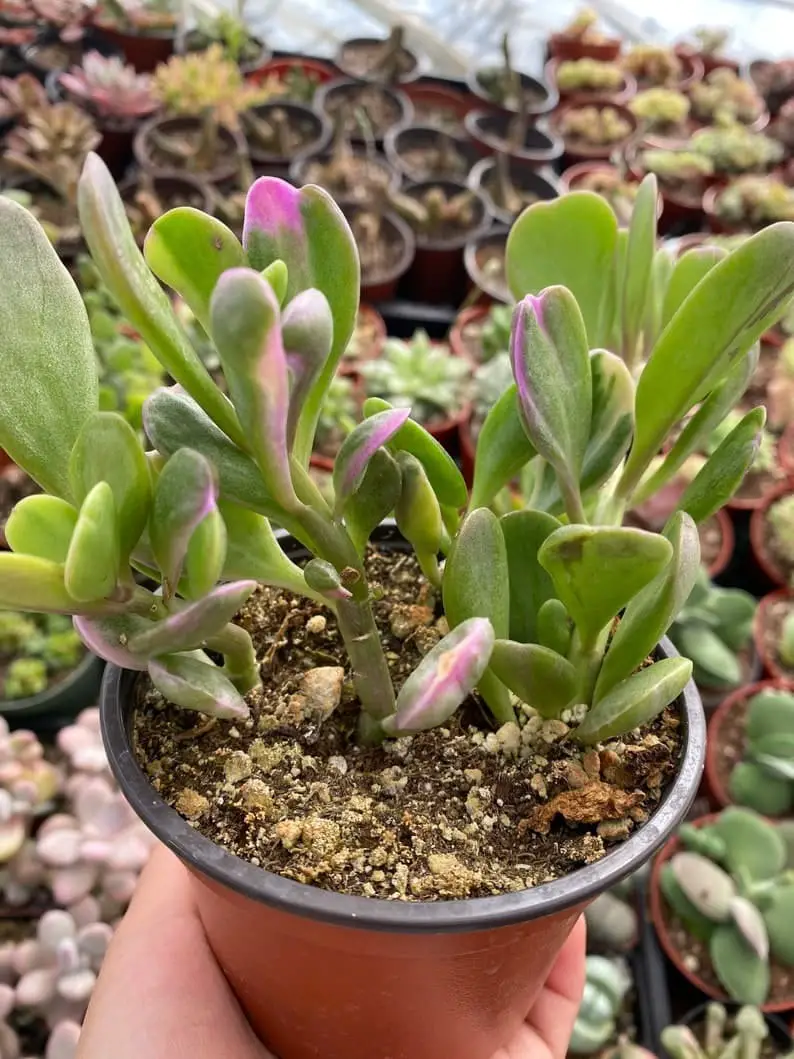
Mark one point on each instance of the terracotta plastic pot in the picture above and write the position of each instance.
(622, 94)
(438, 274)
(777, 574)
(320, 973)
(383, 287)
(564, 46)
(322, 72)
(228, 164)
(343, 60)
(490, 131)
(398, 141)
(785, 447)
(426, 96)
(545, 90)
(144, 51)
(580, 152)
(468, 316)
(727, 546)
(341, 88)
(59, 704)
(317, 128)
(768, 658)
(542, 183)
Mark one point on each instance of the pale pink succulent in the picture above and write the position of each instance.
(113, 89)
(82, 743)
(28, 784)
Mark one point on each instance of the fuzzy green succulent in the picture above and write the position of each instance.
(660, 108)
(495, 333)
(723, 96)
(735, 149)
(732, 886)
(36, 650)
(764, 779)
(677, 167)
(754, 201)
(607, 982)
(721, 1037)
(25, 677)
(589, 75)
(713, 628)
(780, 519)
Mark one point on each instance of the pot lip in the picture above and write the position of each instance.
(551, 100)
(392, 146)
(376, 914)
(473, 270)
(405, 232)
(727, 546)
(533, 156)
(191, 179)
(322, 134)
(13, 709)
(770, 663)
(595, 153)
(416, 71)
(224, 170)
(456, 242)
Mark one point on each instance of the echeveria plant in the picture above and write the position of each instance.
(530, 599)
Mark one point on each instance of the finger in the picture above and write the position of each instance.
(552, 1017)
(161, 994)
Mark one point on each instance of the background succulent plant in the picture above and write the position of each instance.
(764, 778)
(110, 88)
(589, 75)
(607, 983)
(37, 650)
(720, 1035)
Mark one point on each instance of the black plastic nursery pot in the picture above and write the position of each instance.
(320, 973)
(60, 703)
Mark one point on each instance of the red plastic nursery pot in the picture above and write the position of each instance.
(564, 46)
(768, 656)
(657, 908)
(773, 570)
(144, 51)
(621, 95)
(315, 68)
(427, 98)
(320, 973)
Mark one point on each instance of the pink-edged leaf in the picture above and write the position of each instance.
(307, 331)
(196, 685)
(358, 449)
(108, 637)
(188, 628)
(186, 492)
(306, 230)
(443, 679)
(246, 329)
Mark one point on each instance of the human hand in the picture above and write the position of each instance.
(161, 995)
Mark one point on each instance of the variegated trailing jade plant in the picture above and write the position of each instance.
(531, 599)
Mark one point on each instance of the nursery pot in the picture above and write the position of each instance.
(727, 544)
(437, 274)
(777, 574)
(334, 93)
(543, 184)
(145, 50)
(73, 51)
(766, 652)
(564, 46)
(229, 152)
(350, 52)
(382, 286)
(407, 138)
(457, 341)
(60, 703)
(623, 94)
(362, 194)
(322, 72)
(490, 130)
(172, 186)
(378, 325)
(316, 131)
(320, 973)
(475, 254)
(579, 150)
(657, 906)
(544, 92)
(435, 104)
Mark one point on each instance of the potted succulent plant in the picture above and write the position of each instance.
(230, 30)
(386, 248)
(746, 759)
(294, 77)
(425, 377)
(603, 1010)
(582, 80)
(721, 899)
(280, 132)
(605, 180)
(724, 96)
(773, 632)
(509, 187)
(44, 669)
(438, 105)
(764, 475)
(116, 97)
(148, 196)
(655, 66)
(364, 111)
(64, 38)
(515, 136)
(735, 149)
(480, 332)
(708, 43)
(748, 203)
(352, 174)
(444, 215)
(510, 90)
(383, 61)
(774, 80)
(484, 261)
(293, 285)
(425, 152)
(708, 1030)
(595, 130)
(581, 39)
(663, 115)
(144, 30)
(683, 177)
(772, 535)
(715, 630)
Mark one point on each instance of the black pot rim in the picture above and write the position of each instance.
(377, 914)
(416, 71)
(543, 176)
(17, 709)
(473, 123)
(552, 96)
(346, 84)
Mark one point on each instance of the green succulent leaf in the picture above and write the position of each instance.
(524, 532)
(716, 666)
(503, 448)
(196, 685)
(189, 627)
(635, 701)
(92, 563)
(206, 555)
(743, 974)
(188, 251)
(596, 570)
(541, 678)
(554, 628)
(185, 494)
(689, 270)
(661, 275)
(47, 359)
(277, 275)
(374, 499)
(252, 551)
(612, 422)
(359, 447)
(41, 525)
(638, 269)
(28, 582)
(418, 515)
(568, 241)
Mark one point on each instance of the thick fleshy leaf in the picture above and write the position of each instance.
(47, 360)
(650, 613)
(41, 525)
(541, 678)
(476, 585)
(689, 270)
(610, 333)
(108, 450)
(196, 685)
(188, 251)
(723, 472)
(554, 628)
(173, 420)
(277, 276)
(374, 499)
(359, 447)
(246, 329)
(441, 469)
(635, 701)
(726, 314)
(30, 583)
(612, 422)
(640, 250)
(324, 578)
(186, 492)
(661, 274)
(701, 425)
(306, 230)
(443, 679)
(206, 555)
(187, 628)
(92, 563)
(503, 448)
(109, 636)
(524, 532)
(568, 241)
(307, 331)
(551, 365)
(418, 515)
(253, 551)
(598, 569)
(140, 297)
